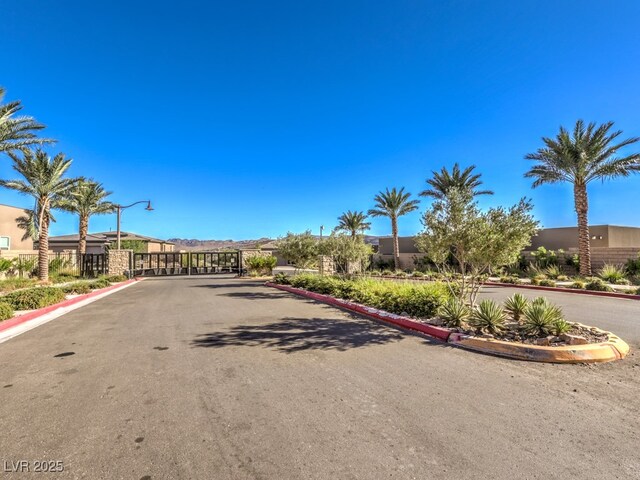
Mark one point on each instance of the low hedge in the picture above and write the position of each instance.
(33, 298)
(416, 300)
(78, 288)
(6, 311)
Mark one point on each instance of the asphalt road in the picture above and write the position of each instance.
(618, 315)
(201, 378)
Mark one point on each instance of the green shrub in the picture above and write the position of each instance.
(116, 278)
(62, 277)
(414, 299)
(578, 284)
(546, 283)
(633, 266)
(562, 278)
(400, 273)
(101, 282)
(454, 312)
(387, 273)
(282, 279)
(552, 271)
(516, 305)
(33, 298)
(488, 317)
(78, 288)
(638, 291)
(261, 264)
(5, 265)
(6, 311)
(510, 279)
(541, 317)
(598, 285)
(612, 273)
(11, 284)
(417, 274)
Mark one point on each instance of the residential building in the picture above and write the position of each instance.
(10, 234)
(98, 242)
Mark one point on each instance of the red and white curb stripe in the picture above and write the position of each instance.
(23, 323)
(404, 322)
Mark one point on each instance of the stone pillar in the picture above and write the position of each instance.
(325, 265)
(119, 261)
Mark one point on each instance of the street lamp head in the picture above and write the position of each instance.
(149, 207)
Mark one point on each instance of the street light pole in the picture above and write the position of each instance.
(321, 229)
(119, 209)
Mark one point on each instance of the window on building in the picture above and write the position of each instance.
(5, 243)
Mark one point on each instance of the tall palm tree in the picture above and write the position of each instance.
(587, 154)
(353, 222)
(85, 199)
(393, 204)
(464, 180)
(29, 223)
(17, 132)
(43, 180)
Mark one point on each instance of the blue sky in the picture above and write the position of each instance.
(248, 119)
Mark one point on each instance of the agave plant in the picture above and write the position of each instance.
(454, 312)
(516, 305)
(560, 326)
(541, 316)
(488, 317)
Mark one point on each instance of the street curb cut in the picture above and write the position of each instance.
(613, 349)
(578, 291)
(15, 321)
(404, 322)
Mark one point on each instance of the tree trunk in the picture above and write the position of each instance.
(82, 234)
(43, 247)
(584, 242)
(396, 245)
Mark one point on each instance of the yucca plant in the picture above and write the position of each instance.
(560, 326)
(612, 273)
(488, 317)
(454, 312)
(541, 316)
(516, 305)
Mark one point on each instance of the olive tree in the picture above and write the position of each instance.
(455, 227)
(346, 250)
(301, 249)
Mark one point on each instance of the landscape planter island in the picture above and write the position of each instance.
(613, 348)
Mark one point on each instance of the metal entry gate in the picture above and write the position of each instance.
(191, 263)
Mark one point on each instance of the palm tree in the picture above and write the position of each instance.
(17, 133)
(43, 180)
(464, 181)
(29, 223)
(588, 154)
(353, 222)
(85, 199)
(393, 204)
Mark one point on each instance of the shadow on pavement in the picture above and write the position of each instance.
(295, 334)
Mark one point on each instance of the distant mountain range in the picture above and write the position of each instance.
(193, 244)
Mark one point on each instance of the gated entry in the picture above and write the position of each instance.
(191, 263)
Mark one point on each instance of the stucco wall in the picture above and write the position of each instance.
(9, 228)
(406, 244)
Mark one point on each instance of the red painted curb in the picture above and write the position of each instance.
(12, 322)
(398, 320)
(566, 290)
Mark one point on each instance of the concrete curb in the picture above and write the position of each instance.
(404, 322)
(23, 323)
(613, 349)
(578, 291)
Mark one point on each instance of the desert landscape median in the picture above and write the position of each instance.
(519, 329)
